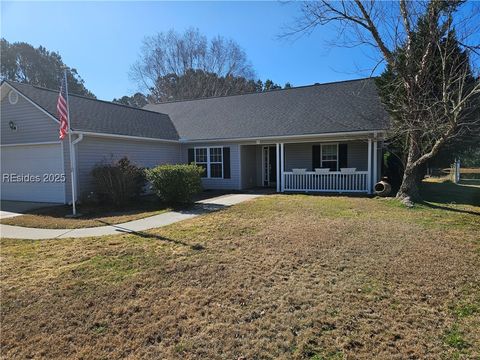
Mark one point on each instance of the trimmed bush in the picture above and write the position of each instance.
(176, 184)
(118, 183)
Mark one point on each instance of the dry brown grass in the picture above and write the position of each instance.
(289, 277)
(54, 217)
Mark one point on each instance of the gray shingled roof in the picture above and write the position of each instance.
(317, 109)
(101, 116)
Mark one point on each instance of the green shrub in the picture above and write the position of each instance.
(176, 184)
(118, 183)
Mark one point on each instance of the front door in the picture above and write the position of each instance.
(269, 166)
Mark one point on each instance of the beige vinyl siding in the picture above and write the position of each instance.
(234, 183)
(93, 150)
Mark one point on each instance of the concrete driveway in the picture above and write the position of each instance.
(10, 209)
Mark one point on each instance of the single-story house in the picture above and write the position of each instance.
(318, 138)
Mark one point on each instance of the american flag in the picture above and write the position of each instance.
(62, 109)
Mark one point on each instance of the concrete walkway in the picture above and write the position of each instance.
(167, 218)
(9, 209)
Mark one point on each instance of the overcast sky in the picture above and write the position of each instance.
(102, 40)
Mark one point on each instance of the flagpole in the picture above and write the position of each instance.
(72, 156)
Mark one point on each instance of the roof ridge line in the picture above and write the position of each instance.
(262, 92)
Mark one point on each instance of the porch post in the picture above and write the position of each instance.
(375, 167)
(369, 182)
(277, 146)
(282, 166)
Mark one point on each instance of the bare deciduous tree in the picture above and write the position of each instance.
(171, 55)
(429, 48)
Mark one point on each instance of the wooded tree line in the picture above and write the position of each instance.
(24, 63)
(172, 66)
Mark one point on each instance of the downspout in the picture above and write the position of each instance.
(78, 139)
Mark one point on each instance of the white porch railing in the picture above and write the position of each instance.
(334, 181)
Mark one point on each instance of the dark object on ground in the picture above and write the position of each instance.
(392, 170)
(383, 188)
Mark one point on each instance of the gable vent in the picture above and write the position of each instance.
(13, 97)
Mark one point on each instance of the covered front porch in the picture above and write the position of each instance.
(315, 165)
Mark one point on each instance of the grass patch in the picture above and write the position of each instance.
(99, 329)
(466, 309)
(111, 268)
(283, 276)
(335, 355)
(54, 217)
(455, 339)
(448, 193)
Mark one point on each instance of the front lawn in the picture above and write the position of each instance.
(441, 191)
(55, 217)
(283, 276)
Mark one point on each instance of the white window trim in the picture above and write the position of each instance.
(208, 162)
(321, 154)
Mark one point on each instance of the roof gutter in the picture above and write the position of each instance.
(118, 136)
(366, 133)
(260, 139)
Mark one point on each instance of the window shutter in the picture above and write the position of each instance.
(226, 163)
(191, 157)
(315, 157)
(342, 156)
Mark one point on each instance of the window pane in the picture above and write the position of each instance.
(216, 154)
(329, 152)
(216, 170)
(204, 166)
(201, 155)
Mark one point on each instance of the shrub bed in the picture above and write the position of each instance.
(118, 183)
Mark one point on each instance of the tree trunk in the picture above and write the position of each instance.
(409, 190)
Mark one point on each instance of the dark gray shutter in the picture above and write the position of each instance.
(226, 163)
(191, 157)
(315, 157)
(342, 156)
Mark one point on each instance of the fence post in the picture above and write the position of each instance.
(457, 171)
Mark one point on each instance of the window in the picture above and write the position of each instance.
(216, 162)
(201, 159)
(211, 160)
(329, 156)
